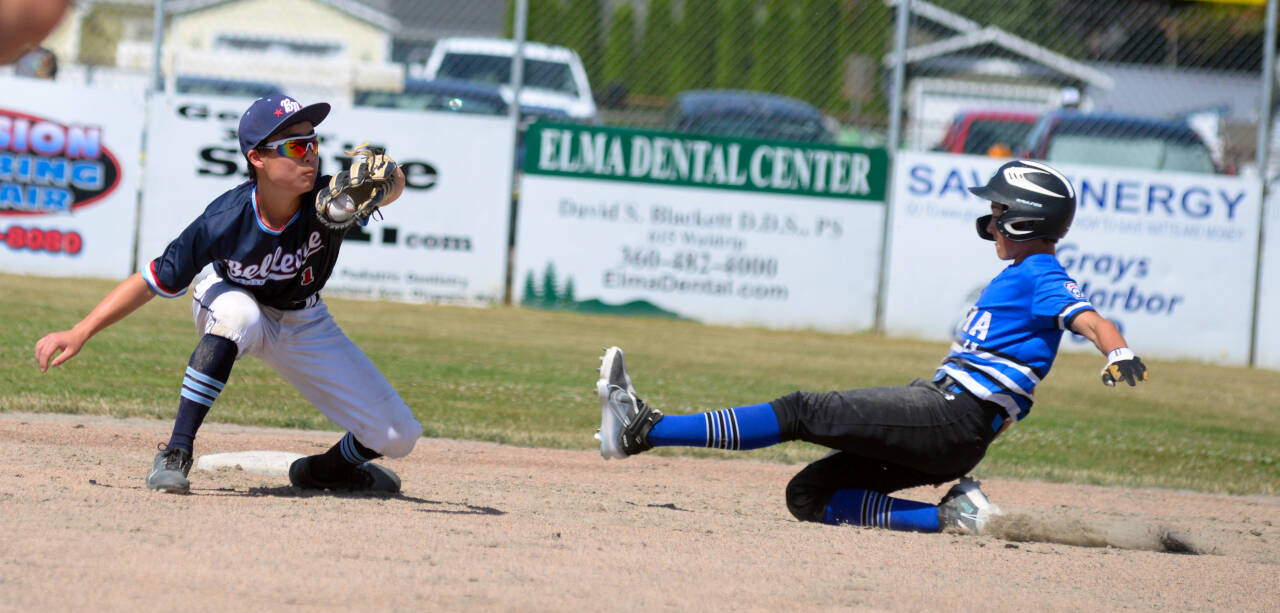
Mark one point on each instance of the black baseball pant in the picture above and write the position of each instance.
(884, 439)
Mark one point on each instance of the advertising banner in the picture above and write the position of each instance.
(69, 179)
(1268, 341)
(1169, 257)
(725, 231)
(444, 240)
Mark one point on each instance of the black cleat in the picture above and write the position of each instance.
(367, 477)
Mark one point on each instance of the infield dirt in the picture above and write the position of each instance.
(482, 527)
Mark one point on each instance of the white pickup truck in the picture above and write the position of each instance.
(553, 76)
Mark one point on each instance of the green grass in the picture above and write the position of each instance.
(526, 377)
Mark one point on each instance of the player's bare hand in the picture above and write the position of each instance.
(58, 346)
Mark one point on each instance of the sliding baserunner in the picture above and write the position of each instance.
(885, 439)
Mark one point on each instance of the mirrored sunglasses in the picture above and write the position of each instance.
(293, 146)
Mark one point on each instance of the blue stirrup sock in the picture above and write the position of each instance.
(868, 508)
(749, 427)
(206, 375)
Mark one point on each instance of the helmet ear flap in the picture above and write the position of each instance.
(982, 223)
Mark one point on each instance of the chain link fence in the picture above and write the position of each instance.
(806, 69)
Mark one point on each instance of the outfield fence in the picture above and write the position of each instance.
(750, 162)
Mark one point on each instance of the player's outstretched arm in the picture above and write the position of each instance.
(119, 302)
(1122, 364)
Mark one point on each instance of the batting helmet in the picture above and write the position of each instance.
(1041, 202)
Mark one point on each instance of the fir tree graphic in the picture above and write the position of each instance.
(530, 290)
(568, 298)
(550, 293)
(547, 294)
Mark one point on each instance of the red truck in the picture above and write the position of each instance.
(988, 132)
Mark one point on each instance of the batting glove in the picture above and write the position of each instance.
(1122, 365)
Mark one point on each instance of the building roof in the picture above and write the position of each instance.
(1176, 92)
(430, 21)
(971, 36)
(371, 11)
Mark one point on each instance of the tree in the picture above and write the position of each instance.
(530, 290)
(694, 65)
(733, 43)
(797, 50)
(865, 32)
(769, 47)
(620, 53)
(823, 74)
(550, 293)
(659, 39)
(546, 18)
(580, 31)
(568, 297)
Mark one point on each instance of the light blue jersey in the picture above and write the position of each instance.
(1008, 340)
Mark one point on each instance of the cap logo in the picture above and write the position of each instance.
(1017, 177)
(290, 105)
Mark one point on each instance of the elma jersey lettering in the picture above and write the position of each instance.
(281, 267)
(1007, 342)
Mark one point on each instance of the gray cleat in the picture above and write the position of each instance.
(169, 472)
(625, 420)
(966, 508)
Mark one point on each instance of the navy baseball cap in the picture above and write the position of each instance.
(266, 115)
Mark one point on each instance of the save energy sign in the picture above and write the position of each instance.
(1169, 257)
(1268, 341)
(728, 231)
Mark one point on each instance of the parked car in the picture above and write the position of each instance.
(1108, 139)
(553, 75)
(748, 114)
(186, 84)
(987, 132)
(438, 95)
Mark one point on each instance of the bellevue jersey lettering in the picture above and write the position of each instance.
(1008, 340)
(280, 267)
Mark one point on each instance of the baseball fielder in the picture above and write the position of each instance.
(273, 242)
(928, 432)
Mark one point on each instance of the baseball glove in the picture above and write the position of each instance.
(354, 195)
(1122, 365)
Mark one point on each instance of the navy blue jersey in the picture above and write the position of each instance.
(280, 267)
(1008, 340)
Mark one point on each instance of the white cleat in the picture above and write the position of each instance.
(966, 508)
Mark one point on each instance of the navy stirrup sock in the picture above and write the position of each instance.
(346, 452)
(749, 427)
(868, 508)
(206, 375)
